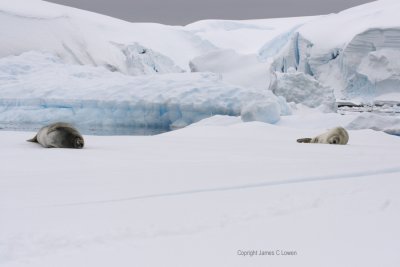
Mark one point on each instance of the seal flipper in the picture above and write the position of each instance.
(34, 139)
(304, 140)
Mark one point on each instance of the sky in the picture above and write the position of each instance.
(182, 12)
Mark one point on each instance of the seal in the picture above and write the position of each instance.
(337, 136)
(60, 135)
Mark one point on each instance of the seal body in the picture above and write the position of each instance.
(337, 136)
(60, 135)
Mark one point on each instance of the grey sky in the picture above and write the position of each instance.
(180, 12)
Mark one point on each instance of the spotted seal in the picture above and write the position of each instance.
(60, 135)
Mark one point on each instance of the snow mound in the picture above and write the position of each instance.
(298, 87)
(38, 88)
(377, 122)
(268, 112)
(243, 70)
(218, 120)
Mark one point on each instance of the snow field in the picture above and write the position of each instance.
(220, 185)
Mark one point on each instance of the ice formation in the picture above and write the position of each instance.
(268, 112)
(141, 61)
(301, 88)
(359, 61)
(39, 88)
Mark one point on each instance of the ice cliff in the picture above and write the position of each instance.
(355, 52)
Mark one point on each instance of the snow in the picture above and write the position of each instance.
(350, 22)
(220, 185)
(142, 61)
(274, 46)
(244, 70)
(37, 89)
(378, 122)
(83, 37)
(245, 36)
(268, 112)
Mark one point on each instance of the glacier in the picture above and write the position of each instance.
(357, 60)
(38, 88)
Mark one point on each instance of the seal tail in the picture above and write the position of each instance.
(304, 140)
(34, 139)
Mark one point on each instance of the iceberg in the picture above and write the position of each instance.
(38, 88)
